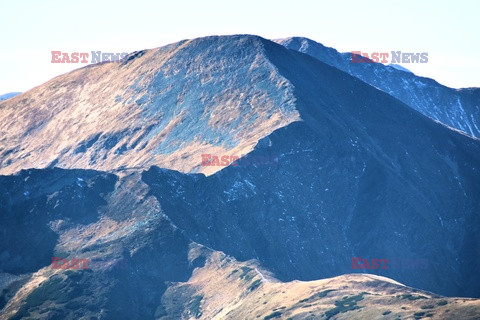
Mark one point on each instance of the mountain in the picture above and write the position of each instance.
(162, 107)
(457, 108)
(8, 95)
(142, 266)
(226, 289)
(360, 167)
(333, 170)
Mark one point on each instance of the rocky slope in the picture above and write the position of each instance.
(362, 176)
(160, 107)
(143, 267)
(335, 169)
(457, 108)
(132, 247)
(226, 289)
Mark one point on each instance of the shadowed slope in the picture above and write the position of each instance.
(457, 108)
(362, 175)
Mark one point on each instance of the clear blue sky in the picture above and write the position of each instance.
(30, 30)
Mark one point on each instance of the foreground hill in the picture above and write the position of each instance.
(226, 289)
(142, 266)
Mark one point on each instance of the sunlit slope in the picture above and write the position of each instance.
(161, 107)
(227, 289)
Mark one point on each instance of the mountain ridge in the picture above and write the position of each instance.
(104, 144)
(353, 172)
(450, 106)
(103, 141)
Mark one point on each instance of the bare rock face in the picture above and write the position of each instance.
(334, 169)
(160, 107)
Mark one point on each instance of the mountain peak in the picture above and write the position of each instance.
(455, 108)
(214, 95)
(338, 176)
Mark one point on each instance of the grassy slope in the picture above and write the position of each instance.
(227, 289)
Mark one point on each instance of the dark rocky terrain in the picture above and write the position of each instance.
(110, 171)
(457, 108)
